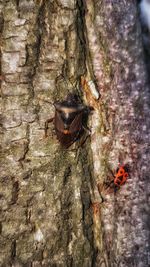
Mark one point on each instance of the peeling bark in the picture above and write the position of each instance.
(52, 212)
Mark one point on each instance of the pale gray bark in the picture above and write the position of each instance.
(47, 193)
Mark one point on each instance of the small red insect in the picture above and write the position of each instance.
(119, 179)
(121, 176)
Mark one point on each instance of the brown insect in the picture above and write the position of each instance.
(69, 118)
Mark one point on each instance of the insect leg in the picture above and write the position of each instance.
(86, 129)
(46, 125)
(84, 140)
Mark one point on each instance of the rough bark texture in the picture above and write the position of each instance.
(51, 209)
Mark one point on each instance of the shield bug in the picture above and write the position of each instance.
(69, 118)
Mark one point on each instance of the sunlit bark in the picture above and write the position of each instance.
(51, 199)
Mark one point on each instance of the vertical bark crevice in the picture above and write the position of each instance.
(1, 31)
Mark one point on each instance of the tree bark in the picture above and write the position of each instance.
(55, 210)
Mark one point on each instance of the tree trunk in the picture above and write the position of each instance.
(55, 208)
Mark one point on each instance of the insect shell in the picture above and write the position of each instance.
(94, 90)
(68, 120)
(90, 86)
